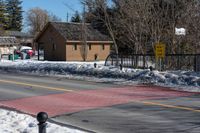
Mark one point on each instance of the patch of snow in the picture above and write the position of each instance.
(13, 122)
(181, 80)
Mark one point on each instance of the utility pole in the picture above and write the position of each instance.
(70, 8)
(67, 17)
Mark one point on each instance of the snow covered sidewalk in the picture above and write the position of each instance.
(13, 122)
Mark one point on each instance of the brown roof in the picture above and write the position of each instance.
(8, 41)
(74, 32)
(17, 34)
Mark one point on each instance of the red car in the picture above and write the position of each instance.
(30, 52)
(24, 49)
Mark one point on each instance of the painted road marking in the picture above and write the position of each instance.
(33, 85)
(168, 106)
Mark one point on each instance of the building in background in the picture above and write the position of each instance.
(23, 38)
(8, 45)
(63, 41)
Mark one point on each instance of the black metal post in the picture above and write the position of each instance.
(120, 66)
(42, 118)
(95, 65)
(151, 68)
(38, 49)
(132, 61)
(179, 66)
(144, 61)
(122, 59)
(195, 63)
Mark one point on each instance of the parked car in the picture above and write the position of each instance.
(25, 49)
(30, 52)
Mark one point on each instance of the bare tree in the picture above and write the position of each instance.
(37, 18)
(192, 21)
(140, 24)
(143, 23)
(101, 13)
(84, 47)
(130, 19)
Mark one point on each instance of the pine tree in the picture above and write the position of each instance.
(14, 12)
(2, 15)
(76, 17)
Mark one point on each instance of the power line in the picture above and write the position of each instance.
(69, 7)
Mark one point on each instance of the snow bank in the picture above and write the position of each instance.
(185, 80)
(13, 122)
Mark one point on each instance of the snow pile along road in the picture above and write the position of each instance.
(13, 122)
(187, 80)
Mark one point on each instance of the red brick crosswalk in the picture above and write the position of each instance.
(76, 101)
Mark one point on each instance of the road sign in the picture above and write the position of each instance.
(160, 50)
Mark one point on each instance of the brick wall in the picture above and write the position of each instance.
(96, 50)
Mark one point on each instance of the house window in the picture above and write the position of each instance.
(102, 47)
(75, 47)
(90, 47)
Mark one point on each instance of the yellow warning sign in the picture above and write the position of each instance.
(160, 50)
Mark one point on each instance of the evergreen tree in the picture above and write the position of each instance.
(14, 12)
(76, 18)
(2, 15)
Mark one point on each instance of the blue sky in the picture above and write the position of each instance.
(56, 7)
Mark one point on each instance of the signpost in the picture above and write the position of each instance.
(160, 50)
(160, 54)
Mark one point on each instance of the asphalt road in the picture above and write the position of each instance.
(13, 86)
(135, 118)
(152, 114)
